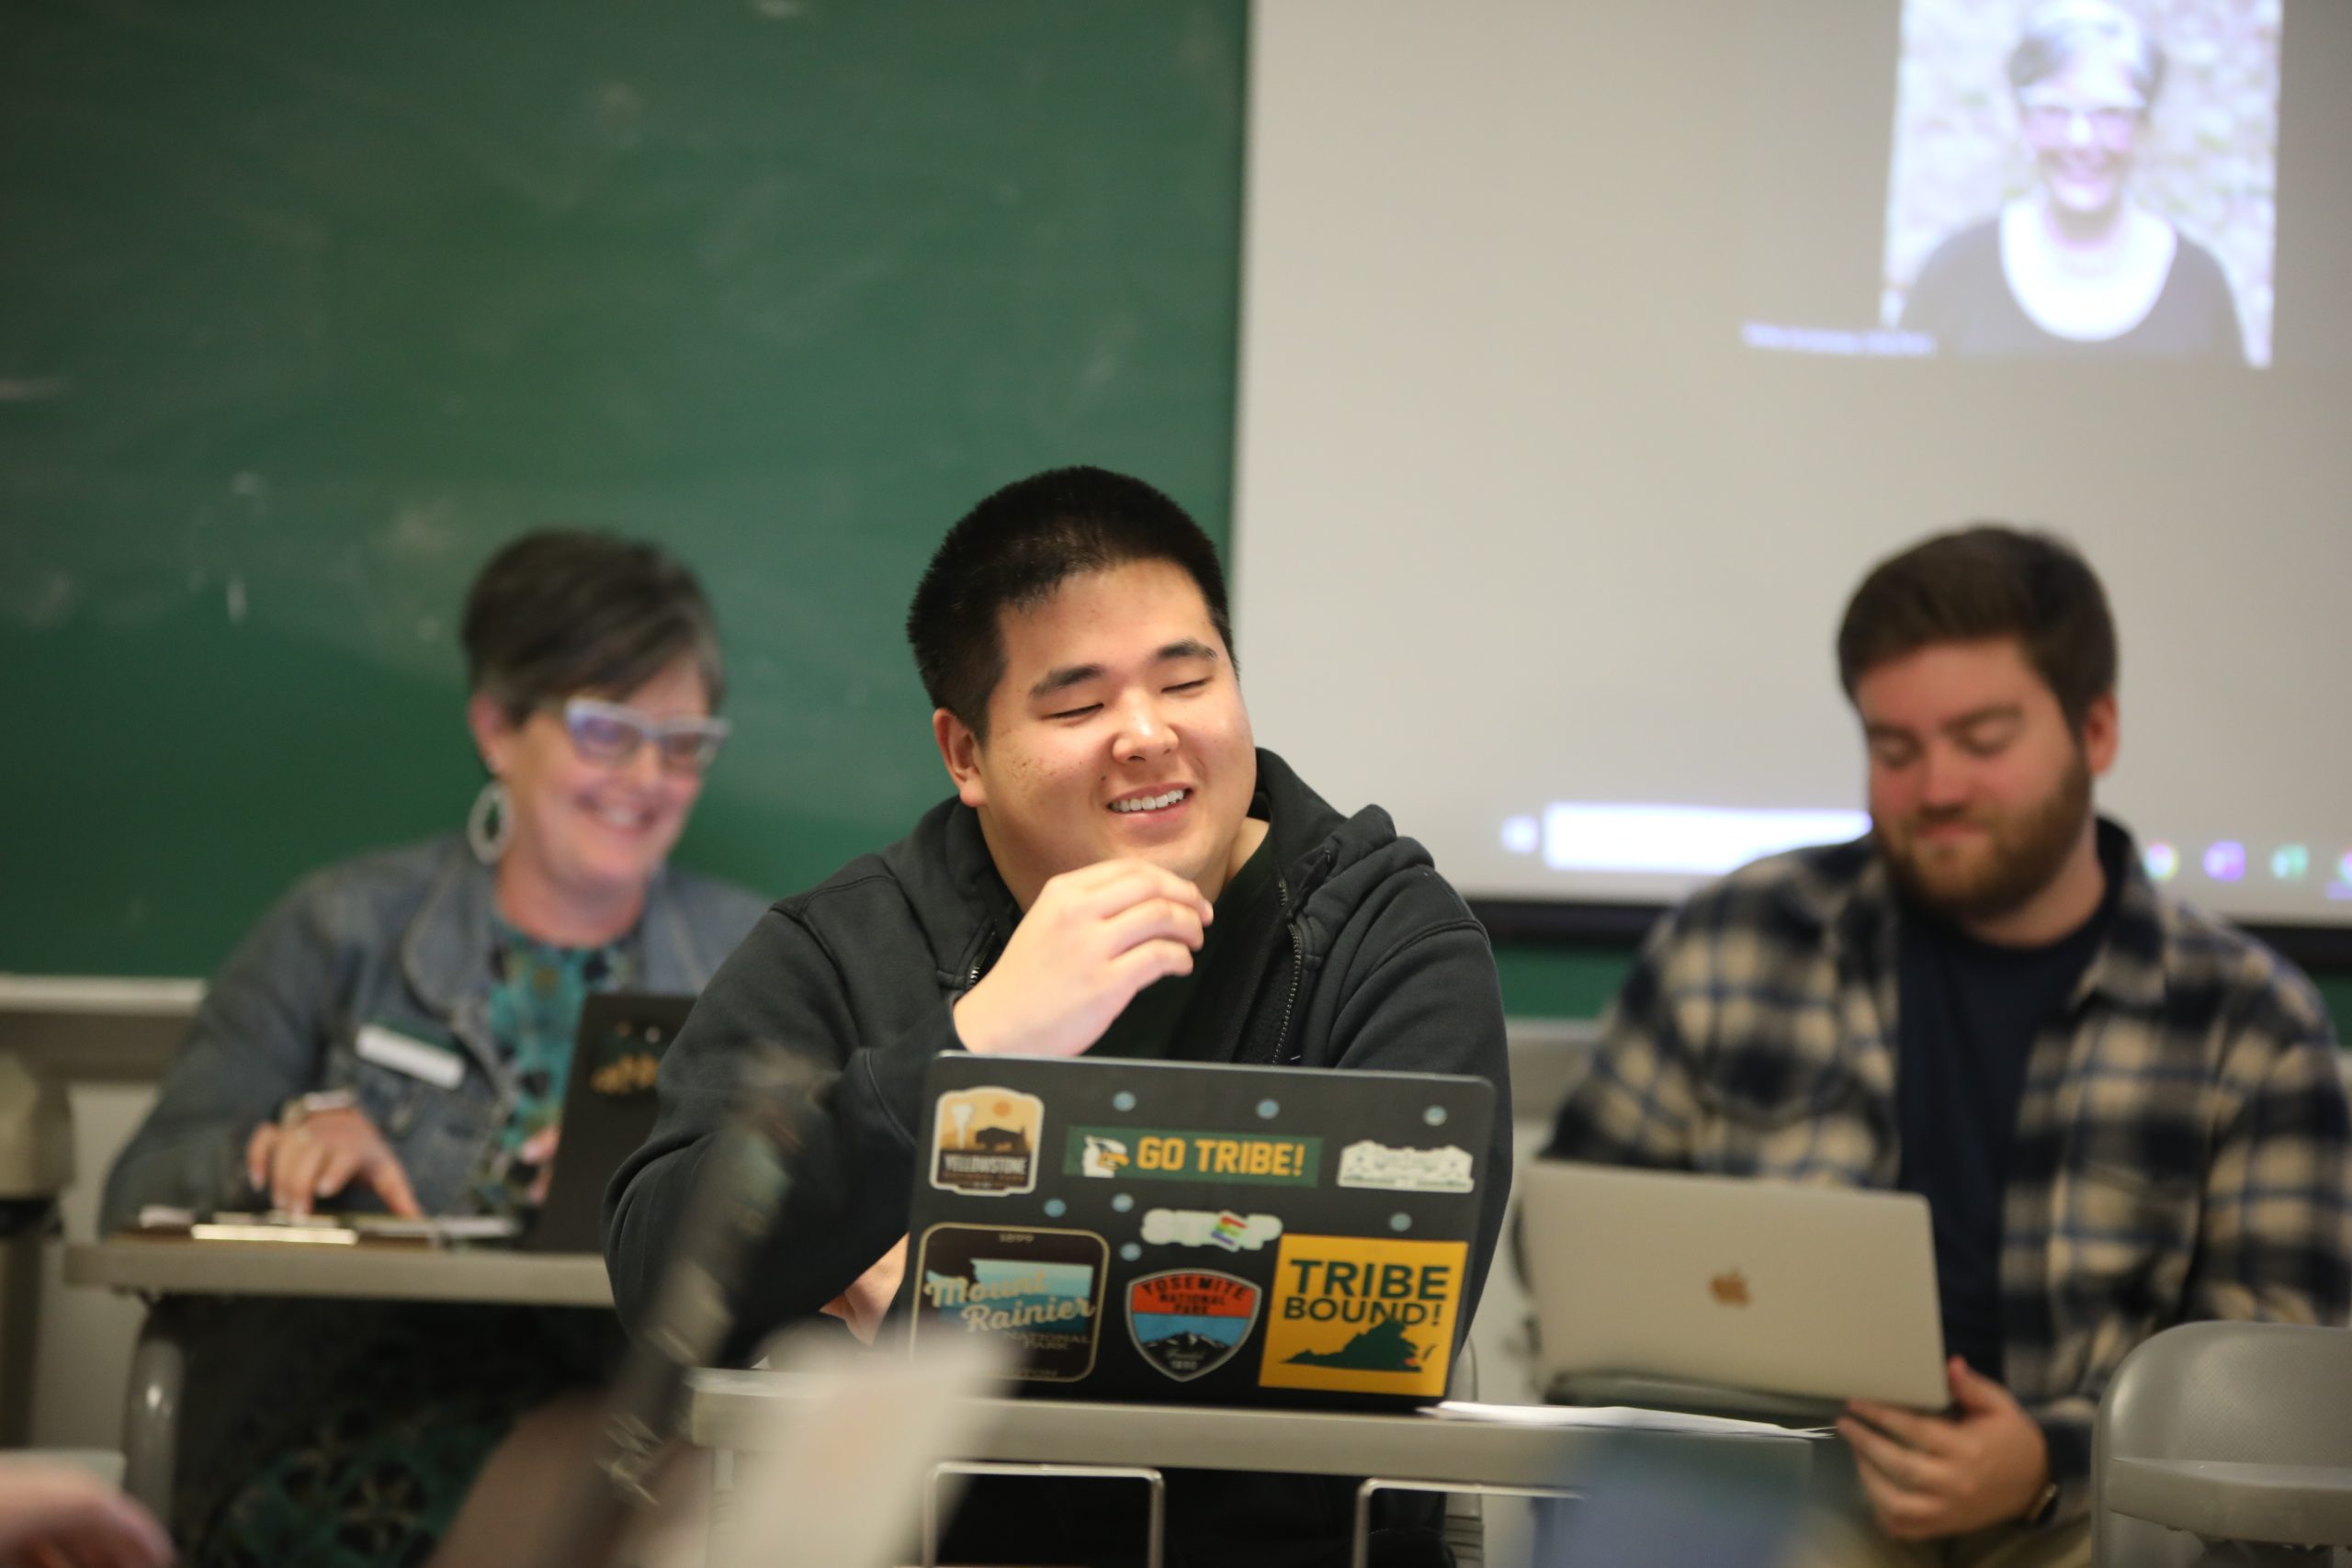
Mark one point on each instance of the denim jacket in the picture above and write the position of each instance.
(395, 943)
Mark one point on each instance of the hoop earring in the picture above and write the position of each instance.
(486, 838)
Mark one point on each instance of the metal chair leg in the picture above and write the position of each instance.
(151, 1411)
(1360, 1547)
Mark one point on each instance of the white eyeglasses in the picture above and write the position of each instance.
(610, 733)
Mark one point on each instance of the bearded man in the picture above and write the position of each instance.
(2123, 1114)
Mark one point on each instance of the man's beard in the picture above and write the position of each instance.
(2023, 854)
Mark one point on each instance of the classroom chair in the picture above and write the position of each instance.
(2228, 1439)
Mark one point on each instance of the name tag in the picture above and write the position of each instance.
(389, 1048)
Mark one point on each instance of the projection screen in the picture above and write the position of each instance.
(1592, 353)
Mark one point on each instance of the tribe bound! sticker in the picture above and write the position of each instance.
(1040, 1291)
(1361, 1315)
(1190, 1321)
(986, 1141)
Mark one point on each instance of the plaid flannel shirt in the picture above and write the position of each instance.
(2181, 1147)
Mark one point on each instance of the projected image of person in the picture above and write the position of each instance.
(2080, 264)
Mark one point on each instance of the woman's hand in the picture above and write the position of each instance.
(298, 1161)
(538, 1151)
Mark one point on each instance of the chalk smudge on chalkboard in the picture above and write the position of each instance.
(236, 601)
(425, 530)
(253, 491)
(34, 390)
(39, 600)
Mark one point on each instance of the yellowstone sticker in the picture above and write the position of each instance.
(1367, 1163)
(986, 1141)
(1362, 1316)
(1187, 1322)
(1041, 1290)
(1151, 1153)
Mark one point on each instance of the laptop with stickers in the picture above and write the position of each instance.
(1182, 1231)
(608, 1105)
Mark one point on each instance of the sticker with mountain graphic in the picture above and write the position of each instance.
(1190, 1321)
(985, 1141)
(1039, 1290)
(1361, 1315)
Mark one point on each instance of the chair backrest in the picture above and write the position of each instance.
(2243, 1393)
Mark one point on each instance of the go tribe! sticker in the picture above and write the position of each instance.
(1151, 1153)
(1363, 1315)
(1039, 1289)
(986, 1141)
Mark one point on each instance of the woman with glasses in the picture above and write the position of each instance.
(2076, 265)
(396, 1034)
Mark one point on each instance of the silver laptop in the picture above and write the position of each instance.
(1708, 1292)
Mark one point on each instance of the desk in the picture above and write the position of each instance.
(732, 1410)
(173, 1267)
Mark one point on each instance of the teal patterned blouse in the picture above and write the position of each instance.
(535, 995)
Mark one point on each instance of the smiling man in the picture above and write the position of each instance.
(1120, 871)
(2123, 1114)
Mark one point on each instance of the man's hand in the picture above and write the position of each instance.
(869, 1296)
(323, 1154)
(53, 1515)
(1932, 1475)
(1093, 938)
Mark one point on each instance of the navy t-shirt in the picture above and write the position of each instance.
(1967, 1018)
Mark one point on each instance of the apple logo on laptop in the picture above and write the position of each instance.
(1730, 1288)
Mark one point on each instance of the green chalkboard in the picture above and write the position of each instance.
(304, 307)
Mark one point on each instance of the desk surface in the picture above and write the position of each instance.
(735, 1410)
(175, 1267)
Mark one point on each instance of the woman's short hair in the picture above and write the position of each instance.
(2056, 33)
(1983, 582)
(562, 611)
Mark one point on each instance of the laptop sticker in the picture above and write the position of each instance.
(1160, 1155)
(1040, 1291)
(1104, 1155)
(986, 1140)
(1187, 1322)
(1361, 1315)
(1210, 1227)
(1367, 1163)
(626, 1061)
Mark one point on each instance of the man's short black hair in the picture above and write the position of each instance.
(1013, 551)
(1984, 582)
(563, 611)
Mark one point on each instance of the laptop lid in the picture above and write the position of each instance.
(608, 1105)
(1675, 1288)
(1161, 1231)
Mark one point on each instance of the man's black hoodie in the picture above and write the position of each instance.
(1364, 959)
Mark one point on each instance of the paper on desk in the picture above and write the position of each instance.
(1618, 1418)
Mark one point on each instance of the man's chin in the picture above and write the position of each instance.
(1961, 887)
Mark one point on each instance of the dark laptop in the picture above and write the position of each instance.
(608, 1105)
(1177, 1232)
